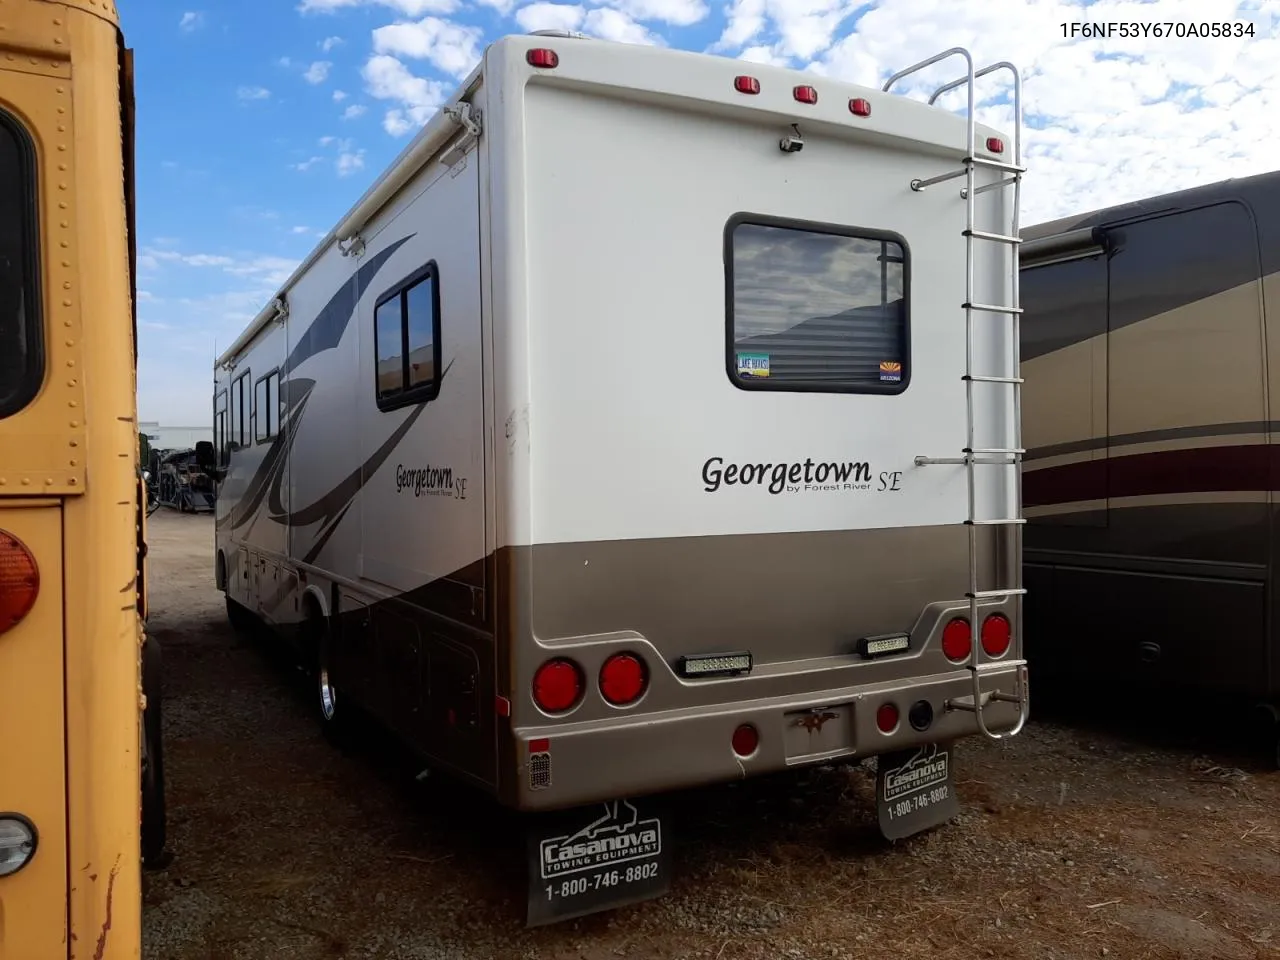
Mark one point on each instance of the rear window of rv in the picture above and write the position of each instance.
(813, 307)
(21, 343)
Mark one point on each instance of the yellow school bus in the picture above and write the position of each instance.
(81, 799)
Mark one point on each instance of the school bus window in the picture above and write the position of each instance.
(266, 393)
(21, 338)
(406, 332)
(816, 308)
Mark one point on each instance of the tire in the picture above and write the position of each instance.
(331, 708)
(154, 827)
(241, 619)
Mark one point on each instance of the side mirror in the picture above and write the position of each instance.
(146, 475)
(205, 455)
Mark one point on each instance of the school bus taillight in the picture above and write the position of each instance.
(996, 634)
(19, 580)
(957, 639)
(557, 685)
(622, 679)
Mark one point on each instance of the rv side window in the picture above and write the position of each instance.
(21, 341)
(239, 412)
(406, 332)
(266, 394)
(220, 426)
(816, 308)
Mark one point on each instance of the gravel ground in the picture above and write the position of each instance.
(1071, 842)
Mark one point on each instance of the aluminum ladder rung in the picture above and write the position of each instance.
(998, 185)
(992, 308)
(993, 450)
(986, 379)
(1000, 165)
(940, 178)
(995, 237)
(997, 522)
(1000, 594)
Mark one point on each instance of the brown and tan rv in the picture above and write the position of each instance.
(1151, 352)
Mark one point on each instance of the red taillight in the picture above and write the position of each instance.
(995, 144)
(805, 94)
(542, 57)
(859, 107)
(622, 679)
(745, 740)
(957, 639)
(887, 717)
(19, 581)
(996, 634)
(557, 685)
(745, 84)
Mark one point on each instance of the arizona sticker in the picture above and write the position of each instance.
(890, 371)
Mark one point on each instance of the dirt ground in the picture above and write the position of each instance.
(1071, 842)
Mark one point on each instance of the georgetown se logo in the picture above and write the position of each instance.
(430, 482)
(616, 837)
(806, 476)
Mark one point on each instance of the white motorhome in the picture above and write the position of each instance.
(651, 422)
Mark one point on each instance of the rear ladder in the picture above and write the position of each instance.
(972, 455)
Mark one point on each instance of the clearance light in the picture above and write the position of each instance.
(957, 639)
(995, 144)
(715, 665)
(745, 740)
(745, 84)
(996, 634)
(19, 581)
(557, 685)
(805, 94)
(622, 679)
(18, 842)
(887, 717)
(542, 57)
(883, 645)
(860, 107)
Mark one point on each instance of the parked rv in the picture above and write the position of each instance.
(651, 422)
(1151, 350)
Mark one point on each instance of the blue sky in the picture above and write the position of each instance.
(261, 123)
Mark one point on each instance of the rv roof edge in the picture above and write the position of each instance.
(1085, 241)
(400, 171)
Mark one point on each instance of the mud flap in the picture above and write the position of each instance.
(596, 858)
(915, 789)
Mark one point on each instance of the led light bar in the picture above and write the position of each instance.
(715, 665)
(884, 645)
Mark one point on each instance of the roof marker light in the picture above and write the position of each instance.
(860, 107)
(805, 94)
(542, 57)
(995, 144)
(745, 84)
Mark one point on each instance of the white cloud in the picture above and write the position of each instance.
(328, 43)
(300, 230)
(285, 61)
(191, 21)
(409, 8)
(354, 111)
(253, 93)
(449, 47)
(307, 164)
(325, 141)
(339, 96)
(550, 16)
(386, 78)
(680, 13)
(609, 24)
(318, 72)
(349, 163)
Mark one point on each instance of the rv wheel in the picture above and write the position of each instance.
(333, 712)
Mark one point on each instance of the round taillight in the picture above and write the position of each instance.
(745, 740)
(996, 634)
(957, 640)
(622, 679)
(19, 580)
(887, 717)
(557, 685)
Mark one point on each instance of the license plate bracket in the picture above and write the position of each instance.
(594, 858)
(915, 789)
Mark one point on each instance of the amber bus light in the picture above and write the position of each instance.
(19, 581)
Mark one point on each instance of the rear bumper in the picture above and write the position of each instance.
(572, 764)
